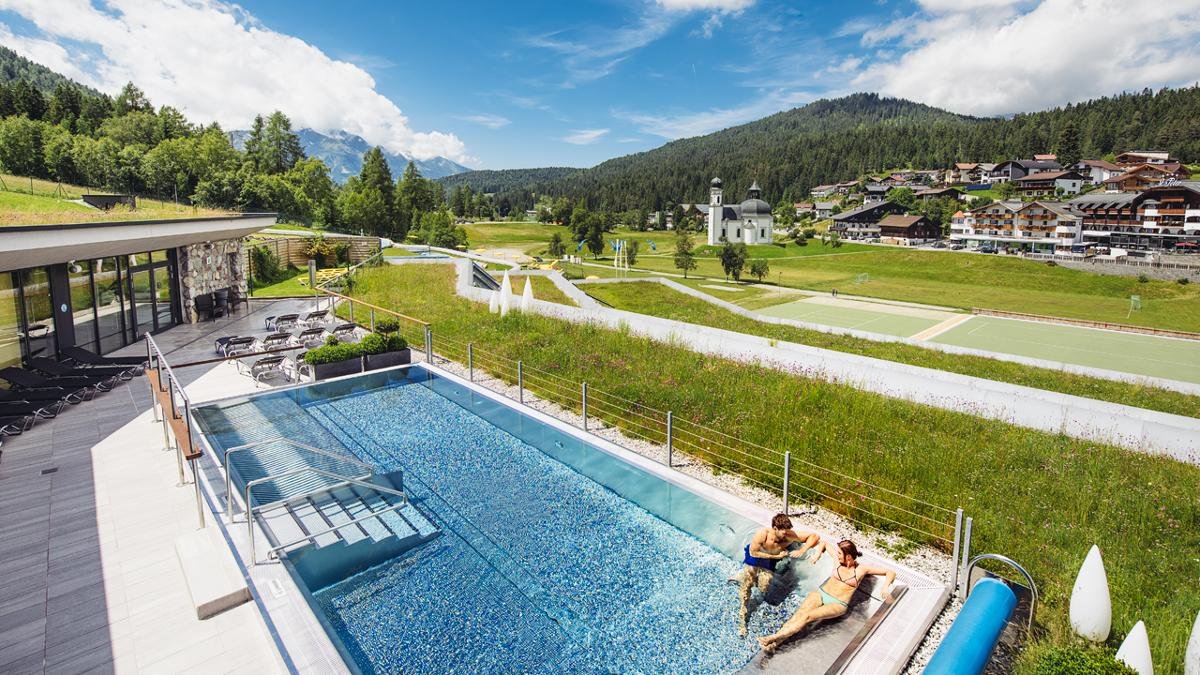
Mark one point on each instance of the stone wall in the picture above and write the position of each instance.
(1125, 270)
(204, 268)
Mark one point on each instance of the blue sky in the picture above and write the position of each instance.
(518, 84)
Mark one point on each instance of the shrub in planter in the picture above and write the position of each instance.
(385, 350)
(387, 325)
(335, 359)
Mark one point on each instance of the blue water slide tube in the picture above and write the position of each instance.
(972, 637)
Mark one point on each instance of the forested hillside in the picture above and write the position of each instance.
(13, 67)
(841, 139)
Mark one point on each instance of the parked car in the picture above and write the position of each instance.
(939, 244)
(987, 249)
(956, 247)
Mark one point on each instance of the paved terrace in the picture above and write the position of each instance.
(90, 507)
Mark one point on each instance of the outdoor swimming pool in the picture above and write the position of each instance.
(555, 555)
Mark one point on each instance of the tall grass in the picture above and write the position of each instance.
(1042, 499)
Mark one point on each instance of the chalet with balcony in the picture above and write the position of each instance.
(1019, 168)
(963, 173)
(863, 222)
(1138, 157)
(1169, 214)
(802, 208)
(1096, 171)
(1145, 176)
(906, 230)
(925, 194)
(874, 193)
(823, 191)
(1049, 183)
(824, 209)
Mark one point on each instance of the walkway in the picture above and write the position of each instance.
(90, 508)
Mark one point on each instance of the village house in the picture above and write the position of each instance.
(874, 193)
(932, 193)
(863, 222)
(822, 191)
(1049, 183)
(1037, 227)
(1136, 157)
(1019, 168)
(1096, 171)
(905, 230)
(823, 209)
(1145, 176)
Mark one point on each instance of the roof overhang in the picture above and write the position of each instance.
(35, 245)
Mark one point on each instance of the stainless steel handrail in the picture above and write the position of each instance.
(1011, 563)
(277, 439)
(155, 355)
(259, 481)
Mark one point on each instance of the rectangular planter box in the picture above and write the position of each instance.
(388, 359)
(324, 371)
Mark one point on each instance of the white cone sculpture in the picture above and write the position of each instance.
(494, 301)
(527, 297)
(1191, 660)
(1091, 605)
(506, 295)
(1135, 650)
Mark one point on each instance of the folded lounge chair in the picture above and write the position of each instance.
(113, 375)
(54, 402)
(24, 379)
(311, 337)
(41, 411)
(282, 322)
(345, 332)
(317, 318)
(276, 341)
(234, 344)
(84, 357)
(270, 367)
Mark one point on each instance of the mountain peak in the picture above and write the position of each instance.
(342, 151)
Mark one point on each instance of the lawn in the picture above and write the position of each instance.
(397, 253)
(967, 280)
(658, 300)
(291, 286)
(1042, 499)
(530, 238)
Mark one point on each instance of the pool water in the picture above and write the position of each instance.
(556, 556)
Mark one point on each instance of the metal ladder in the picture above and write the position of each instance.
(320, 480)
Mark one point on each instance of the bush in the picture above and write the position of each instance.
(1051, 263)
(332, 353)
(379, 343)
(265, 267)
(1079, 660)
(1143, 279)
(387, 325)
(1183, 281)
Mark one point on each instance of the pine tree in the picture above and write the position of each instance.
(1067, 148)
(132, 99)
(254, 143)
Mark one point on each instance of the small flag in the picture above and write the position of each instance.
(579, 246)
(613, 244)
(652, 246)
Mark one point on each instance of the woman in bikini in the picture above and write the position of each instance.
(832, 599)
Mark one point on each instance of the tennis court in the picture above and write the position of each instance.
(867, 316)
(1169, 358)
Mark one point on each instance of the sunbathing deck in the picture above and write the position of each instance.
(90, 508)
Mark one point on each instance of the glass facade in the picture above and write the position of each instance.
(112, 303)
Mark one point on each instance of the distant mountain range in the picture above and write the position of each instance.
(343, 152)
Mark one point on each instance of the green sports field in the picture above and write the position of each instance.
(1168, 358)
(871, 317)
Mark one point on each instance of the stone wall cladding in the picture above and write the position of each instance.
(204, 268)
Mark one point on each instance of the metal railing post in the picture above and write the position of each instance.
(372, 319)
(471, 361)
(670, 437)
(958, 524)
(199, 499)
(351, 311)
(153, 394)
(966, 555)
(787, 479)
(584, 398)
(520, 382)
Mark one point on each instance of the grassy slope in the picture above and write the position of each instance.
(1039, 498)
(543, 288)
(48, 204)
(658, 300)
(288, 287)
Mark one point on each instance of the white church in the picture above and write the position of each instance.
(750, 222)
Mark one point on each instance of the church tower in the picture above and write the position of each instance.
(715, 211)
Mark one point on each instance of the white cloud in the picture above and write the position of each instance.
(584, 136)
(487, 120)
(215, 61)
(991, 57)
(706, 5)
(698, 123)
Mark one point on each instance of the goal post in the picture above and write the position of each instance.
(862, 278)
